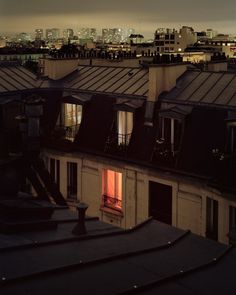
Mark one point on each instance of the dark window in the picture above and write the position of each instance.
(167, 37)
(170, 132)
(160, 43)
(71, 180)
(232, 217)
(172, 36)
(233, 138)
(212, 219)
(160, 202)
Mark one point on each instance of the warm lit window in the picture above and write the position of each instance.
(125, 127)
(112, 189)
(72, 119)
(73, 114)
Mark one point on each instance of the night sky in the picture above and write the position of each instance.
(144, 15)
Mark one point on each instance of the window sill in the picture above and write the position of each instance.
(112, 211)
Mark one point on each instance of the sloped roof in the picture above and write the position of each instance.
(108, 260)
(16, 78)
(110, 80)
(207, 88)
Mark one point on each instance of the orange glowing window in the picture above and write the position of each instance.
(112, 189)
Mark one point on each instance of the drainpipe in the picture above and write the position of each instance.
(136, 196)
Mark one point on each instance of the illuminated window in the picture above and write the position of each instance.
(73, 114)
(72, 119)
(125, 127)
(112, 189)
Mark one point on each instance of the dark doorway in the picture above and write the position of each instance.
(160, 202)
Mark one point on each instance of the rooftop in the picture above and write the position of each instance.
(205, 88)
(152, 257)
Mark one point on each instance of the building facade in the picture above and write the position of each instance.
(139, 142)
(171, 40)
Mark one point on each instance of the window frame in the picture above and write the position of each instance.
(113, 202)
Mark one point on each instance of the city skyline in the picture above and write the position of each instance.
(145, 17)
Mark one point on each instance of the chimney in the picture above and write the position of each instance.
(162, 77)
(57, 68)
(80, 228)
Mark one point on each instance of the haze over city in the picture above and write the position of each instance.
(144, 16)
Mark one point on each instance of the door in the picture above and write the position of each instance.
(160, 202)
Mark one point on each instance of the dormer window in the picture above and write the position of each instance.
(170, 129)
(124, 126)
(72, 119)
(71, 114)
(170, 132)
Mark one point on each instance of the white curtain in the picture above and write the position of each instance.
(125, 126)
(73, 114)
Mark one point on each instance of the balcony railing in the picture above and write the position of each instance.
(112, 202)
(164, 153)
(66, 132)
(118, 143)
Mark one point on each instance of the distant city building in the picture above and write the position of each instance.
(3, 42)
(201, 36)
(23, 37)
(136, 38)
(38, 34)
(68, 34)
(116, 35)
(211, 33)
(52, 34)
(171, 40)
(87, 33)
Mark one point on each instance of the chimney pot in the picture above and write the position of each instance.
(80, 228)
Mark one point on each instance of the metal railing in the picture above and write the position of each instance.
(123, 139)
(118, 143)
(112, 202)
(66, 132)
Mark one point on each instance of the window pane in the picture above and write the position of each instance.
(110, 183)
(125, 126)
(73, 114)
(112, 189)
(118, 185)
